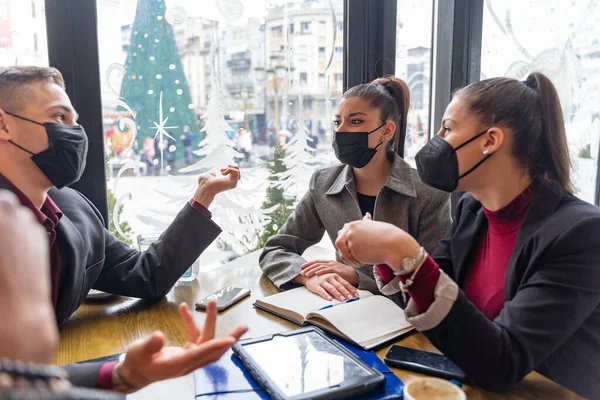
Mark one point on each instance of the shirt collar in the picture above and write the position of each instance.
(49, 215)
(400, 179)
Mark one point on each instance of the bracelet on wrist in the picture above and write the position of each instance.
(405, 286)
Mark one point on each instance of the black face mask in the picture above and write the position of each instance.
(352, 148)
(437, 163)
(64, 160)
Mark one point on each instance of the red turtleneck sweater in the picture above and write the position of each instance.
(484, 283)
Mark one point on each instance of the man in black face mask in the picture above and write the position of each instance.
(42, 151)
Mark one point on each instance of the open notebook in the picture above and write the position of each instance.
(368, 322)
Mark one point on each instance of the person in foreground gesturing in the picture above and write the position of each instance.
(149, 360)
(32, 335)
(515, 284)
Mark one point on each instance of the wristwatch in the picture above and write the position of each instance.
(409, 264)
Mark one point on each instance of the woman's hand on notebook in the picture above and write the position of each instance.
(329, 286)
(322, 267)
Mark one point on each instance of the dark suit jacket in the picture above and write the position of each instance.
(551, 318)
(93, 259)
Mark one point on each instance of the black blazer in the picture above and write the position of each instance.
(93, 258)
(551, 318)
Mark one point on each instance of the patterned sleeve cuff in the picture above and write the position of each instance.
(105, 375)
(387, 288)
(200, 208)
(385, 272)
(445, 293)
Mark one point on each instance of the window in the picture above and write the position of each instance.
(277, 32)
(22, 35)
(322, 82)
(307, 104)
(303, 52)
(305, 28)
(340, 27)
(322, 28)
(339, 53)
(417, 94)
(155, 66)
(413, 65)
(339, 82)
(571, 65)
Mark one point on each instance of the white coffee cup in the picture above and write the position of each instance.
(432, 389)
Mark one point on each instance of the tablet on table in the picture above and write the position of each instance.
(306, 364)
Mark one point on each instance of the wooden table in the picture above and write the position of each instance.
(98, 330)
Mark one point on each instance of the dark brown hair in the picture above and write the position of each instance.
(16, 77)
(531, 109)
(391, 97)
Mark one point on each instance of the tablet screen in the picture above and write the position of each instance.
(300, 364)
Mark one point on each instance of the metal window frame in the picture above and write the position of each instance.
(597, 195)
(456, 44)
(369, 53)
(72, 30)
(369, 41)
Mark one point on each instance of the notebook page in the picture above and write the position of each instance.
(303, 301)
(367, 319)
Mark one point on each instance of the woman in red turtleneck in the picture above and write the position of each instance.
(515, 284)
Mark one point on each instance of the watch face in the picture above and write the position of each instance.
(410, 263)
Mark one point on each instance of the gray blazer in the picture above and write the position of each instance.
(331, 201)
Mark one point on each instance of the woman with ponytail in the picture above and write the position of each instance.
(372, 180)
(515, 284)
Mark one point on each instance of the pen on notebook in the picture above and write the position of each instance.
(332, 305)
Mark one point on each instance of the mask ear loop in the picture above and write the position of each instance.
(486, 152)
(470, 140)
(24, 119)
(380, 143)
(475, 167)
(22, 148)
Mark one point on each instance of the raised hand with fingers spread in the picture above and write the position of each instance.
(149, 360)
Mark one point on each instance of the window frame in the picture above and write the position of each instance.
(456, 58)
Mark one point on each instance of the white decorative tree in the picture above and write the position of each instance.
(299, 157)
(216, 150)
(238, 211)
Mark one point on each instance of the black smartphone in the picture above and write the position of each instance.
(225, 298)
(424, 362)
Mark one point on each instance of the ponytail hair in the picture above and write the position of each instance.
(531, 109)
(391, 97)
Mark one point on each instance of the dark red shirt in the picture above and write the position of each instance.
(49, 216)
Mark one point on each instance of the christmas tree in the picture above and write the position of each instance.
(276, 200)
(153, 67)
(300, 157)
